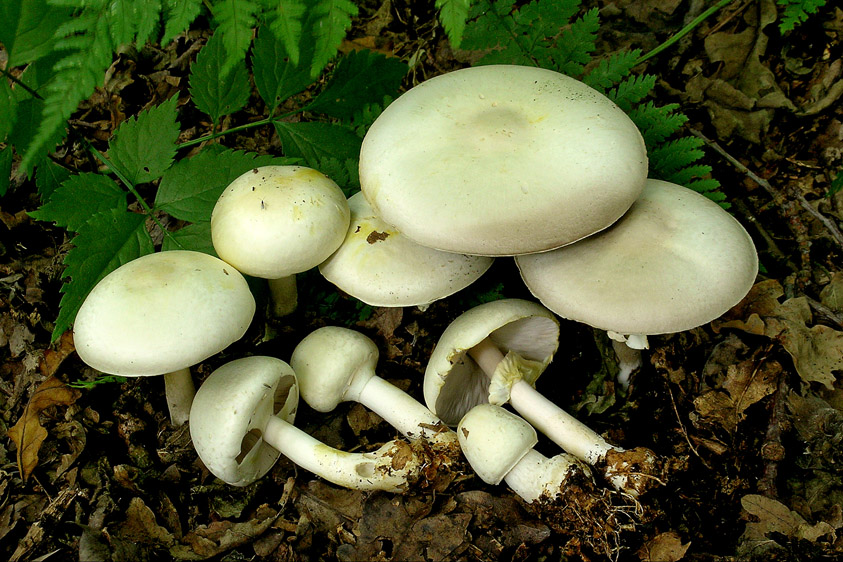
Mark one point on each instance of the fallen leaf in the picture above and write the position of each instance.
(664, 547)
(27, 433)
(53, 358)
(220, 536)
(746, 383)
(775, 517)
(832, 294)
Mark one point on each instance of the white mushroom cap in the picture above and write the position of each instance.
(494, 441)
(161, 313)
(675, 261)
(231, 410)
(454, 383)
(501, 160)
(276, 221)
(382, 267)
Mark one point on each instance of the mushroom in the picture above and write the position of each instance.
(381, 267)
(499, 446)
(336, 364)
(494, 353)
(275, 221)
(161, 313)
(675, 261)
(501, 160)
(242, 421)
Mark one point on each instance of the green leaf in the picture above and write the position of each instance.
(452, 15)
(333, 18)
(836, 184)
(277, 77)
(315, 141)
(285, 19)
(235, 20)
(360, 78)
(632, 90)
(575, 45)
(657, 123)
(195, 237)
(8, 109)
(48, 177)
(179, 14)
(190, 189)
(103, 244)
(797, 12)
(5, 169)
(611, 70)
(217, 93)
(28, 28)
(79, 198)
(147, 19)
(143, 147)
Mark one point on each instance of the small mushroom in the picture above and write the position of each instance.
(336, 364)
(161, 313)
(501, 160)
(494, 353)
(242, 421)
(381, 267)
(499, 446)
(276, 221)
(675, 261)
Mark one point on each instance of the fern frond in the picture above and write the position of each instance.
(365, 116)
(235, 20)
(333, 18)
(657, 123)
(797, 12)
(632, 90)
(575, 45)
(611, 70)
(453, 15)
(492, 27)
(284, 18)
(669, 157)
(179, 14)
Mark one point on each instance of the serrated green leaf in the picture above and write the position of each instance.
(235, 20)
(611, 70)
(575, 45)
(453, 15)
(79, 198)
(333, 18)
(5, 169)
(179, 14)
(28, 28)
(632, 90)
(143, 147)
(104, 243)
(343, 172)
(277, 77)
(657, 123)
(214, 92)
(195, 237)
(190, 189)
(360, 78)
(670, 156)
(316, 141)
(284, 17)
(48, 177)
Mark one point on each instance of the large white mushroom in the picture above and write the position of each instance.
(273, 222)
(160, 314)
(242, 421)
(501, 160)
(675, 261)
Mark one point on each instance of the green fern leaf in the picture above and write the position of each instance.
(632, 90)
(104, 243)
(28, 29)
(505, 33)
(79, 198)
(452, 15)
(235, 20)
(657, 124)
(671, 156)
(5, 169)
(149, 12)
(366, 115)
(314, 141)
(214, 91)
(277, 77)
(575, 45)
(196, 237)
(333, 18)
(143, 147)
(179, 14)
(689, 173)
(611, 70)
(190, 189)
(796, 12)
(284, 17)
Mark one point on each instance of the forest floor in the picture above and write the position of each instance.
(746, 414)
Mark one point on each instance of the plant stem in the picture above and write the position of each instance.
(17, 81)
(682, 32)
(246, 126)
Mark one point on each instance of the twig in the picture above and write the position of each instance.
(682, 427)
(772, 449)
(832, 228)
(825, 311)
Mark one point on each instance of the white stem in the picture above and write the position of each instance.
(536, 475)
(629, 360)
(283, 295)
(561, 427)
(180, 391)
(389, 468)
(402, 411)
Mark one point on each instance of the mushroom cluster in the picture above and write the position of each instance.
(475, 164)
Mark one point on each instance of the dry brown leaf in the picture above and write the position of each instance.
(220, 536)
(27, 433)
(52, 359)
(745, 384)
(817, 351)
(664, 547)
(775, 517)
(832, 294)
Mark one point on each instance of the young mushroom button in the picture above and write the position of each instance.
(276, 221)
(494, 353)
(241, 422)
(675, 261)
(161, 313)
(336, 364)
(501, 160)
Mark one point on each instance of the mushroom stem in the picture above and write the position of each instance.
(536, 475)
(283, 295)
(629, 360)
(180, 390)
(389, 468)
